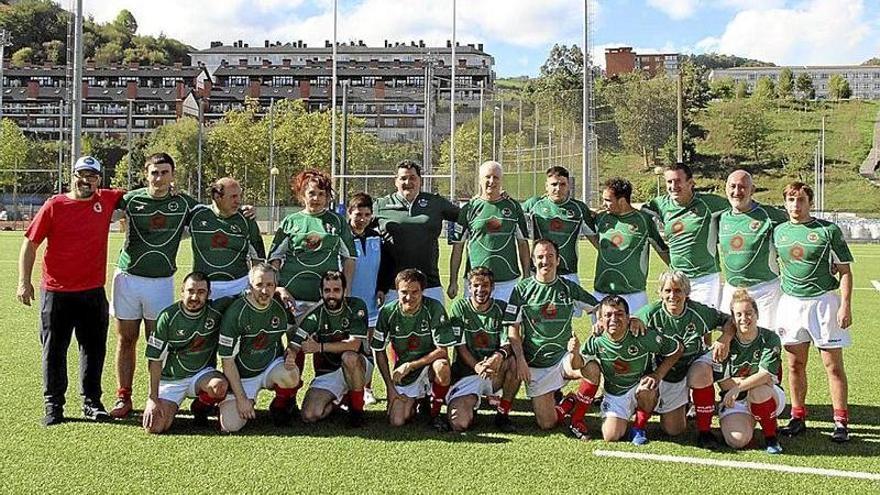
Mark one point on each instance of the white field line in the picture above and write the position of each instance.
(760, 466)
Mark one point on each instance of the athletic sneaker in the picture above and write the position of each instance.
(578, 430)
(369, 398)
(707, 440)
(200, 412)
(54, 415)
(841, 433)
(423, 409)
(503, 423)
(282, 410)
(355, 419)
(773, 446)
(440, 424)
(93, 409)
(639, 436)
(795, 427)
(122, 408)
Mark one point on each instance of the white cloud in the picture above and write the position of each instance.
(676, 9)
(814, 32)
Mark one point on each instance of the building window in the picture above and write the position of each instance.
(238, 80)
(279, 81)
(170, 82)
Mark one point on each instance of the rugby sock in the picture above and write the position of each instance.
(504, 406)
(356, 399)
(283, 393)
(205, 398)
(841, 417)
(799, 412)
(765, 413)
(564, 408)
(123, 393)
(583, 398)
(439, 396)
(704, 404)
(642, 418)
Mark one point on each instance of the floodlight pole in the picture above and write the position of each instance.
(5, 40)
(452, 194)
(76, 117)
(333, 103)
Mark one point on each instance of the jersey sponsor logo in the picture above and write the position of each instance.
(617, 239)
(423, 202)
(209, 323)
(226, 341)
(549, 310)
(275, 322)
(813, 237)
(556, 225)
(219, 241)
(481, 340)
(621, 367)
(755, 225)
(736, 242)
(412, 343)
(157, 221)
(197, 344)
(677, 227)
(261, 341)
(796, 252)
(97, 207)
(493, 225)
(744, 371)
(313, 242)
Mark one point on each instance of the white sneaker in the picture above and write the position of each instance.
(368, 396)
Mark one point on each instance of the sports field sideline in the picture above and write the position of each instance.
(80, 456)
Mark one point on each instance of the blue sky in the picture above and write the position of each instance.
(519, 33)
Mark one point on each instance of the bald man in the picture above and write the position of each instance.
(745, 243)
(493, 226)
(224, 242)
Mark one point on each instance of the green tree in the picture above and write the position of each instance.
(750, 128)
(722, 89)
(695, 86)
(14, 147)
(54, 52)
(785, 86)
(23, 56)
(804, 86)
(108, 54)
(838, 88)
(742, 90)
(764, 89)
(645, 113)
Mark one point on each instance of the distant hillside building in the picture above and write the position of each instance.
(623, 60)
(864, 80)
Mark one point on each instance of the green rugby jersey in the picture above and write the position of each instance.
(746, 359)
(691, 231)
(482, 332)
(411, 231)
(326, 326)
(186, 343)
(310, 245)
(492, 229)
(413, 336)
(624, 251)
(154, 229)
(222, 246)
(545, 311)
(625, 362)
(689, 328)
(746, 244)
(808, 252)
(562, 223)
(252, 335)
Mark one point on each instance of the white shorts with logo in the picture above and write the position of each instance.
(635, 301)
(811, 319)
(707, 290)
(136, 298)
(418, 388)
(675, 395)
(253, 385)
(470, 385)
(547, 380)
(765, 294)
(228, 288)
(335, 382)
(433, 292)
(178, 390)
(742, 406)
(620, 406)
(501, 291)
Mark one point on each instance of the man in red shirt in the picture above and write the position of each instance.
(75, 226)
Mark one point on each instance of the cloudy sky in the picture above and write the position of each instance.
(520, 32)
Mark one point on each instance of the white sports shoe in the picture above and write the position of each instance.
(368, 396)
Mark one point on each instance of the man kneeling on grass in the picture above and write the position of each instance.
(253, 355)
(334, 333)
(182, 355)
(626, 361)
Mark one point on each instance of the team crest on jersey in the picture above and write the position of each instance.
(219, 241)
(556, 225)
(756, 355)
(275, 322)
(736, 242)
(157, 221)
(621, 367)
(173, 206)
(633, 228)
(568, 213)
(423, 202)
(97, 207)
(345, 323)
(813, 237)
(209, 323)
(755, 225)
(493, 225)
(424, 324)
(361, 313)
(796, 252)
(549, 310)
(677, 227)
(506, 212)
(691, 327)
(633, 350)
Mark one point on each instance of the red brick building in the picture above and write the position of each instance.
(623, 60)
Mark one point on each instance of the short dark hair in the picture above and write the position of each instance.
(159, 159)
(620, 187)
(796, 187)
(482, 271)
(684, 167)
(547, 242)
(197, 277)
(334, 275)
(360, 200)
(411, 275)
(557, 170)
(614, 300)
(410, 165)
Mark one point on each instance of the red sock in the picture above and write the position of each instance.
(704, 404)
(564, 407)
(798, 412)
(642, 418)
(439, 393)
(765, 413)
(841, 416)
(583, 398)
(123, 393)
(504, 406)
(285, 393)
(206, 398)
(356, 399)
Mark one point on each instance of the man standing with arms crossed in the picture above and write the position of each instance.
(76, 225)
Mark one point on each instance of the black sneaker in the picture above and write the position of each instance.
(282, 411)
(707, 440)
(795, 427)
(94, 410)
(423, 409)
(440, 424)
(355, 419)
(54, 415)
(841, 434)
(503, 423)
(200, 412)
